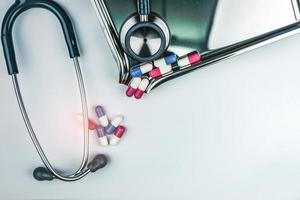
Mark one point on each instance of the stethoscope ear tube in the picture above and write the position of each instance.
(18, 8)
(143, 7)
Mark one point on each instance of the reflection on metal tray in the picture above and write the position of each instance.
(219, 29)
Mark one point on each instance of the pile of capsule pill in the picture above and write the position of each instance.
(143, 73)
(108, 131)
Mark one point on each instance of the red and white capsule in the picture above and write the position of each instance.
(118, 134)
(133, 86)
(142, 88)
(157, 72)
(189, 59)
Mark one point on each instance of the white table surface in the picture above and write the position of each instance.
(229, 131)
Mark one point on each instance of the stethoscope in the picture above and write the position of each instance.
(144, 36)
(49, 172)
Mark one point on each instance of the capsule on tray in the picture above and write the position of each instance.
(134, 84)
(189, 59)
(139, 70)
(167, 60)
(142, 88)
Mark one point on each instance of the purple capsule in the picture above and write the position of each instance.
(102, 136)
(102, 116)
(110, 129)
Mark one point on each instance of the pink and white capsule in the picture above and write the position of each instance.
(102, 116)
(157, 72)
(133, 86)
(118, 134)
(102, 136)
(189, 59)
(141, 89)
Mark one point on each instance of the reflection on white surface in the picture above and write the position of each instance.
(238, 20)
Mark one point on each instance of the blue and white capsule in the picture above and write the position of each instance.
(103, 140)
(167, 60)
(141, 69)
(103, 119)
(110, 129)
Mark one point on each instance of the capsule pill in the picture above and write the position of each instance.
(102, 136)
(118, 134)
(110, 129)
(189, 59)
(167, 60)
(139, 70)
(133, 86)
(141, 89)
(157, 72)
(102, 116)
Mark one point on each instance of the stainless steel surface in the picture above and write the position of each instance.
(81, 172)
(219, 29)
(113, 39)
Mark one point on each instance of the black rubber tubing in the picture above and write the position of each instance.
(21, 6)
(143, 7)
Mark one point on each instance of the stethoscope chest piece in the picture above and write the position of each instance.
(145, 39)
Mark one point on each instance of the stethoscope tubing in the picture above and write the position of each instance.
(12, 14)
(82, 171)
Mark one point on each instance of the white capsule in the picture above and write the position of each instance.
(165, 69)
(183, 62)
(135, 83)
(114, 140)
(147, 67)
(103, 141)
(144, 84)
(117, 121)
(167, 60)
(102, 136)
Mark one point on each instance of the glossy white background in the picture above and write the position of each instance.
(229, 131)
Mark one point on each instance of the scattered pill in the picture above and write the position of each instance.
(141, 89)
(167, 60)
(118, 134)
(91, 124)
(102, 116)
(157, 72)
(133, 86)
(139, 70)
(189, 59)
(102, 136)
(114, 124)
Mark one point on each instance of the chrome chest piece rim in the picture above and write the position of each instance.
(145, 41)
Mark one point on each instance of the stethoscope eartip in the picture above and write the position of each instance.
(42, 174)
(98, 162)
